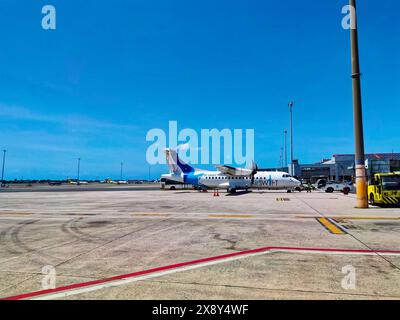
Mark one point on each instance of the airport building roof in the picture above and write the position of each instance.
(376, 156)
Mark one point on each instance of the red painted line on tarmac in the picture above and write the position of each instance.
(184, 264)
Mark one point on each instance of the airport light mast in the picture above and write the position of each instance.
(291, 104)
(361, 178)
(79, 167)
(2, 170)
(120, 176)
(285, 141)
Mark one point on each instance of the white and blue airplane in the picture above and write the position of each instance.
(228, 178)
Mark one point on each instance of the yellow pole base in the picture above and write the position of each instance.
(361, 185)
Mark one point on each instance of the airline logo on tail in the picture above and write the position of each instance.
(175, 164)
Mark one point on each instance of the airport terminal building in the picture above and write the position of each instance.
(341, 166)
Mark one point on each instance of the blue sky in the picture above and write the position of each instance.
(112, 70)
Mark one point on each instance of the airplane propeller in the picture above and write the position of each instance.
(253, 172)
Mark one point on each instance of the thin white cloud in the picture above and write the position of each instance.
(74, 120)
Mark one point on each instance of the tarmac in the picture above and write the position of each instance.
(154, 244)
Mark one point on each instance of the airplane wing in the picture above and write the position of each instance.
(231, 171)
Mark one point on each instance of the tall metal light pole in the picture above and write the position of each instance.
(2, 170)
(361, 178)
(120, 177)
(291, 104)
(149, 172)
(79, 167)
(285, 141)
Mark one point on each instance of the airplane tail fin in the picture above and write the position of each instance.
(171, 157)
(175, 164)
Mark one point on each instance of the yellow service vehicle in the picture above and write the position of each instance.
(384, 189)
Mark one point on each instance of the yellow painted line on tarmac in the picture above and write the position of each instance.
(282, 199)
(10, 213)
(150, 215)
(242, 216)
(330, 226)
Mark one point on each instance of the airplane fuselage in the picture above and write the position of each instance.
(218, 180)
